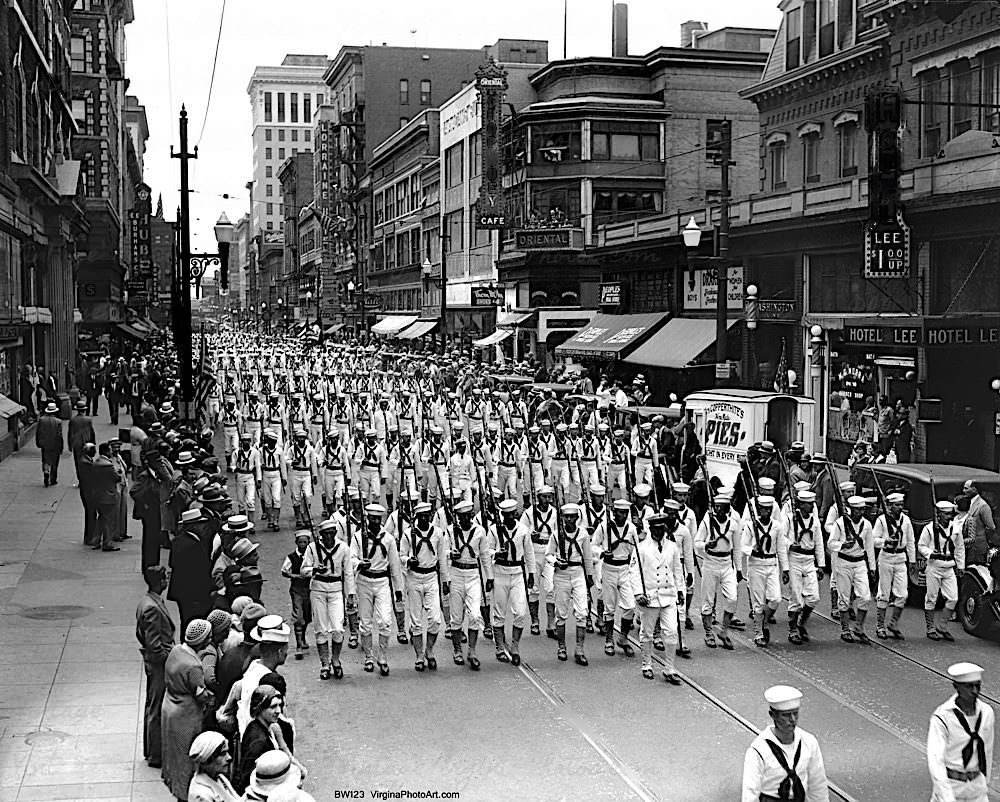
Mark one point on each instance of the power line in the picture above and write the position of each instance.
(170, 68)
(211, 82)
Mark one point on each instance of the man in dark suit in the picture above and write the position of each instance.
(49, 438)
(154, 629)
(191, 568)
(81, 430)
(86, 473)
(105, 494)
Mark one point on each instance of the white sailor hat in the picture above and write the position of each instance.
(353, 493)
(857, 502)
(945, 506)
(464, 506)
(597, 490)
(436, 430)
(965, 672)
(806, 495)
(642, 490)
(766, 483)
(647, 426)
(588, 428)
(619, 432)
(671, 504)
(848, 486)
(508, 505)
(562, 427)
(370, 432)
(546, 490)
(546, 422)
(895, 498)
(802, 485)
(680, 487)
(621, 504)
(724, 496)
(783, 698)
(765, 501)
(570, 509)
(603, 427)
(375, 509)
(422, 507)
(533, 429)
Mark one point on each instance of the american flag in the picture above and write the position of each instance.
(206, 383)
(781, 375)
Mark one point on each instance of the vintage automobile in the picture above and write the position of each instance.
(922, 484)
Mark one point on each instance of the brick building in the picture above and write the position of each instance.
(295, 177)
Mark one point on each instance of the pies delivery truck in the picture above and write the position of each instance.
(729, 420)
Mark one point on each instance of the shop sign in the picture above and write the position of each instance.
(611, 294)
(776, 310)
(724, 431)
(566, 323)
(13, 332)
(945, 333)
(373, 301)
(490, 214)
(887, 249)
(701, 289)
(487, 296)
(543, 239)
(882, 335)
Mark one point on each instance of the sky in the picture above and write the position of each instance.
(171, 43)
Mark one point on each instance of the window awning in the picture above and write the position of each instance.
(492, 339)
(391, 324)
(514, 319)
(333, 329)
(132, 332)
(418, 329)
(9, 408)
(611, 336)
(677, 344)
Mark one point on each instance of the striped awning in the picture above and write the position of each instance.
(391, 324)
(418, 329)
(492, 339)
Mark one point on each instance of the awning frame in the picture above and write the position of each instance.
(611, 337)
(495, 338)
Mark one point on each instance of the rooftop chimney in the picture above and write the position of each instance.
(619, 30)
(689, 29)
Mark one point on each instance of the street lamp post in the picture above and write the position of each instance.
(266, 319)
(817, 344)
(309, 299)
(995, 387)
(720, 262)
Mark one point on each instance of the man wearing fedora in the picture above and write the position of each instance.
(80, 431)
(190, 568)
(49, 438)
(104, 486)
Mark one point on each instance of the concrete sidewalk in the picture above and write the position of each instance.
(71, 694)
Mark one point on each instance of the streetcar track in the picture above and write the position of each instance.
(628, 775)
(715, 701)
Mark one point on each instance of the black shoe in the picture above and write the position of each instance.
(432, 663)
(383, 669)
(688, 624)
(515, 659)
(110, 548)
(473, 662)
(338, 672)
(683, 651)
(581, 660)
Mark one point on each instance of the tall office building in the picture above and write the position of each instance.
(282, 100)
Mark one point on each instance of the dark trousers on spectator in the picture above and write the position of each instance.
(50, 467)
(91, 536)
(92, 399)
(151, 540)
(152, 743)
(113, 405)
(107, 523)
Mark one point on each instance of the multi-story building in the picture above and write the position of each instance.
(283, 100)
(137, 128)
(373, 91)
(42, 226)
(237, 268)
(295, 177)
(98, 53)
(163, 249)
(620, 139)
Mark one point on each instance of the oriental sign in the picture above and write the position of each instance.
(549, 239)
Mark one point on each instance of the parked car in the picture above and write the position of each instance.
(922, 484)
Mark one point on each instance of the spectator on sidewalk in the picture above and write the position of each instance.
(146, 509)
(79, 431)
(27, 394)
(49, 438)
(236, 659)
(183, 705)
(105, 490)
(91, 537)
(190, 569)
(121, 469)
(264, 703)
(210, 755)
(94, 393)
(154, 629)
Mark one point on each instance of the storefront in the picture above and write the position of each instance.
(541, 331)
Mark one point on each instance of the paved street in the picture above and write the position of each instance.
(70, 696)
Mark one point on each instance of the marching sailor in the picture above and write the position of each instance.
(248, 475)
(514, 577)
(568, 551)
(327, 563)
(716, 541)
(423, 549)
(761, 560)
(851, 540)
(893, 534)
(655, 571)
(944, 549)
(803, 561)
(614, 539)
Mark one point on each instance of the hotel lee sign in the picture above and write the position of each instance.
(933, 333)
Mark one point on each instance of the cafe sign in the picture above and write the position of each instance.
(887, 249)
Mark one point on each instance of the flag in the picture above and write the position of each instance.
(206, 383)
(781, 375)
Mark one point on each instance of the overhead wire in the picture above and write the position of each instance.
(211, 81)
(170, 67)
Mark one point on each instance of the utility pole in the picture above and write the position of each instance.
(722, 269)
(444, 292)
(182, 321)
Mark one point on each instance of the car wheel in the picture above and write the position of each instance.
(973, 610)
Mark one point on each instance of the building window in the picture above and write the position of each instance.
(281, 134)
(308, 135)
(403, 248)
(827, 26)
(454, 230)
(557, 142)
(268, 172)
(453, 166)
(964, 117)
(306, 107)
(777, 156)
(270, 225)
(390, 203)
(268, 134)
(80, 113)
(403, 121)
(475, 154)
(847, 146)
(78, 54)
(268, 153)
(931, 114)
(390, 253)
(793, 38)
(267, 107)
(810, 156)
(268, 190)
(281, 107)
(319, 99)
(425, 93)
(295, 135)
(404, 92)
(414, 192)
(991, 92)
(555, 207)
(612, 205)
(478, 237)
(281, 154)
(293, 102)
(639, 142)
(401, 198)
(415, 247)
(270, 208)
(378, 208)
